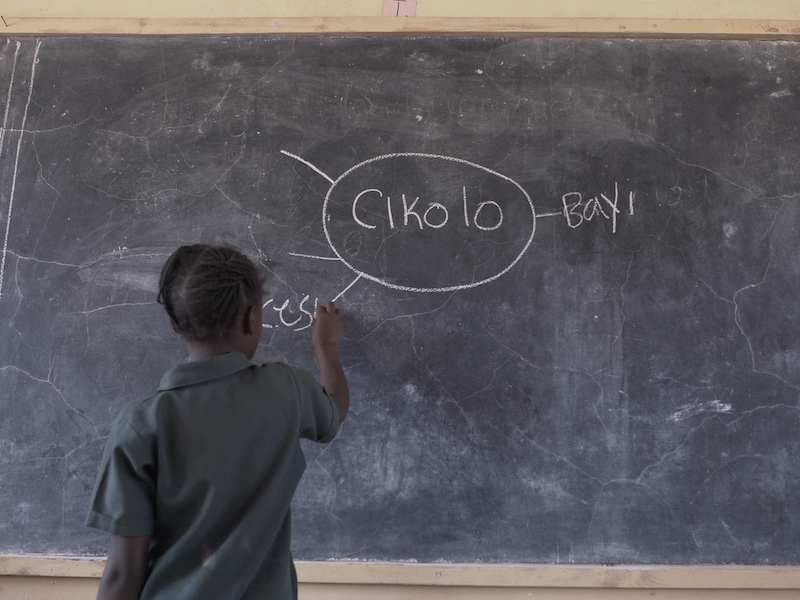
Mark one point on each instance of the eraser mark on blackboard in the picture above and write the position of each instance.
(400, 8)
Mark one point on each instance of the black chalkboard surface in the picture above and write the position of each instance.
(569, 270)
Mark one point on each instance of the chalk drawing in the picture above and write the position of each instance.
(413, 213)
(373, 210)
(308, 164)
(16, 163)
(333, 258)
(286, 311)
(584, 210)
(342, 293)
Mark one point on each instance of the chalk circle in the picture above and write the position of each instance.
(339, 213)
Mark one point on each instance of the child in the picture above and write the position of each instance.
(196, 479)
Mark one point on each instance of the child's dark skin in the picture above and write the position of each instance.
(126, 568)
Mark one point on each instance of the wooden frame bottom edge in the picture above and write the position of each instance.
(708, 577)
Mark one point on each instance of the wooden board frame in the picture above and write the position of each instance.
(416, 26)
(699, 577)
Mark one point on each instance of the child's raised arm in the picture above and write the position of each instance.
(327, 335)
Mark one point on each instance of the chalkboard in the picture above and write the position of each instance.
(569, 272)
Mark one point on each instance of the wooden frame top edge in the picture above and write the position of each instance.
(417, 26)
(472, 575)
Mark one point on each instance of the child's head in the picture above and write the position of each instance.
(207, 290)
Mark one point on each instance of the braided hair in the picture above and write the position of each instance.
(205, 288)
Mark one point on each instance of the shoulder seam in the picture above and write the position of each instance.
(126, 411)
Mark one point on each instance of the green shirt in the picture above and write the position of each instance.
(207, 467)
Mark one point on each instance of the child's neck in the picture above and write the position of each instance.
(206, 350)
(212, 348)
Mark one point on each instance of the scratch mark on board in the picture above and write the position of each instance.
(16, 164)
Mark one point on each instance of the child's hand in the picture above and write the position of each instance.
(328, 328)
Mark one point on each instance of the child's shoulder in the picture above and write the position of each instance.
(283, 371)
(279, 369)
(132, 413)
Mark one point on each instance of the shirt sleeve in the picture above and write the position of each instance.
(124, 494)
(319, 417)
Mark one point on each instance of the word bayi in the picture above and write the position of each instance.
(578, 210)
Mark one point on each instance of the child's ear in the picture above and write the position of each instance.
(249, 321)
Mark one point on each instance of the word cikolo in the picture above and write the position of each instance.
(486, 216)
(286, 312)
(579, 210)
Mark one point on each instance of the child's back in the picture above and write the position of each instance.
(203, 471)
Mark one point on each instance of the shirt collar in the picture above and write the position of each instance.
(204, 370)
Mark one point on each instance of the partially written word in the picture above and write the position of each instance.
(291, 315)
(486, 216)
(579, 210)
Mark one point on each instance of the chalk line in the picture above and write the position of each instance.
(16, 165)
(308, 164)
(552, 214)
(8, 99)
(342, 293)
(334, 258)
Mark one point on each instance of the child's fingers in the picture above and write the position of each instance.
(328, 308)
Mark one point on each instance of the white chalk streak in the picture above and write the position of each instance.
(555, 214)
(342, 293)
(334, 258)
(308, 164)
(8, 99)
(715, 406)
(94, 310)
(16, 165)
